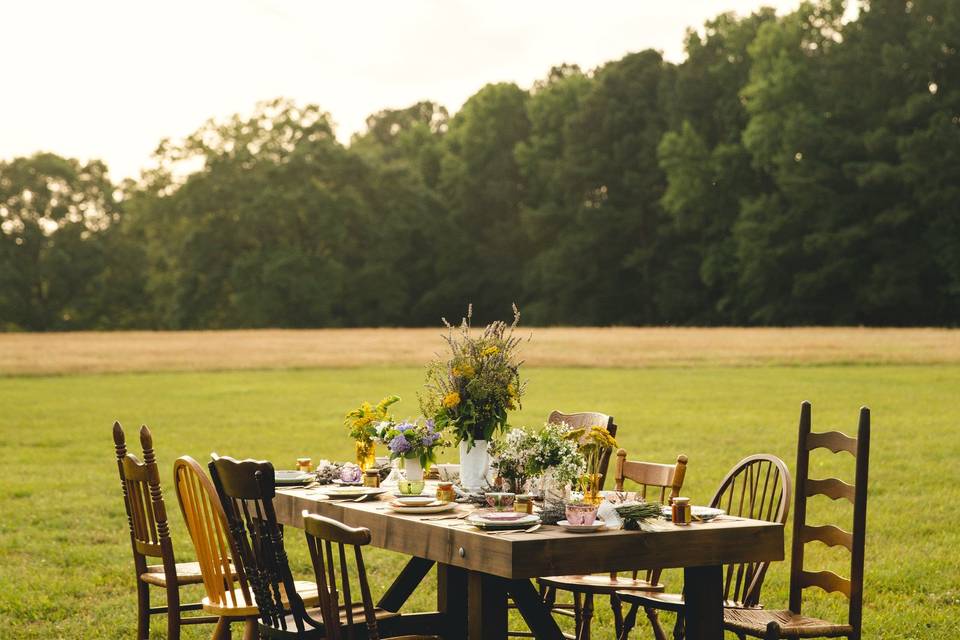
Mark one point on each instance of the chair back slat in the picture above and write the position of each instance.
(835, 489)
(826, 580)
(207, 526)
(757, 487)
(586, 419)
(834, 441)
(246, 489)
(828, 534)
(324, 533)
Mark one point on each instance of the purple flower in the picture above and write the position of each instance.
(399, 445)
(405, 426)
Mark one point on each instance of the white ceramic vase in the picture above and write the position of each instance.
(412, 469)
(474, 465)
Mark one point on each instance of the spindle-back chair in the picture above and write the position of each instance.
(791, 623)
(246, 489)
(757, 487)
(150, 538)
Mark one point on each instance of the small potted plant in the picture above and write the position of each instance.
(364, 423)
(413, 442)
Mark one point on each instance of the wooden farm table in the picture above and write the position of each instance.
(477, 572)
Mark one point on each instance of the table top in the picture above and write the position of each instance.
(550, 550)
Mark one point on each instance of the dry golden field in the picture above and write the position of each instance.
(96, 352)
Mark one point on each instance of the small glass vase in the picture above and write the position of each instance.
(366, 454)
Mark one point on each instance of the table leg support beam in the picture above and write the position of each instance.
(703, 594)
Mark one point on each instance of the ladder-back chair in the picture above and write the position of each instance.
(150, 538)
(246, 489)
(657, 482)
(791, 623)
(758, 487)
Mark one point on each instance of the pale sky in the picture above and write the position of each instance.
(110, 78)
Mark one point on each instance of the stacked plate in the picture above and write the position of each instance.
(502, 520)
(420, 504)
(292, 478)
(350, 492)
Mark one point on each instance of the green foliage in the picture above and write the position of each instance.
(794, 169)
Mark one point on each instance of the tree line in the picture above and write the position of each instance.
(791, 170)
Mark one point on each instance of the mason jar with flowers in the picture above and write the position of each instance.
(413, 442)
(364, 424)
(470, 392)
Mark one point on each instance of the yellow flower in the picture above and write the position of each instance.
(511, 390)
(451, 400)
(466, 371)
(490, 351)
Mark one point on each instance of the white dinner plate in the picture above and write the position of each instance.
(438, 507)
(413, 501)
(583, 528)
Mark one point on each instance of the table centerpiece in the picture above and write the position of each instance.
(554, 460)
(594, 444)
(470, 392)
(413, 442)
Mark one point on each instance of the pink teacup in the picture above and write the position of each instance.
(584, 514)
(501, 501)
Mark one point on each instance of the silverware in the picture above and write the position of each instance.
(527, 530)
(361, 498)
(451, 517)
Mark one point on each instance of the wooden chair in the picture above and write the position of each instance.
(215, 545)
(150, 538)
(757, 487)
(791, 623)
(336, 618)
(657, 482)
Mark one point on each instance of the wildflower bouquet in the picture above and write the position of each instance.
(412, 440)
(551, 451)
(511, 456)
(363, 423)
(472, 390)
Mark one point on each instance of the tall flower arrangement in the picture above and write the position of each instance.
(471, 390)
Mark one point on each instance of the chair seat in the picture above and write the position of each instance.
(664, 601)
(792, 625)
(598, 583)
(236, 606)
(187, 573)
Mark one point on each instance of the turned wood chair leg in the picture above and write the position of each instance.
(629, 622)
(617, 606)
(250, 629)
(654, 619)
(173, 611)
(550, 597)
(143, 610)
(773, 631)
(577, 615)
(222, 630)
(586, 616)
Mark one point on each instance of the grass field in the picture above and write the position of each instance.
(65, 569)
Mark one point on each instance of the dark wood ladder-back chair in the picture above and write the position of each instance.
(791, 623)
(339, 615)
(246, 489)
(757, 487)
(150, 538)
(657, 482)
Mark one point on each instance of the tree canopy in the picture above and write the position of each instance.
(795, 169)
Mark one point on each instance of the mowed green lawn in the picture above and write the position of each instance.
(65, 567)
